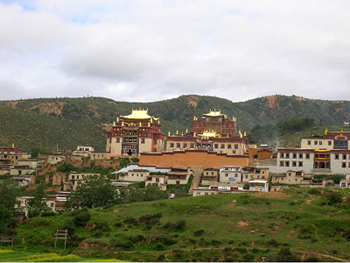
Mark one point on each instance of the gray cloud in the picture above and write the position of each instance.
(151, 50)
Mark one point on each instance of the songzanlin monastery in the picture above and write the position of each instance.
(213, 142)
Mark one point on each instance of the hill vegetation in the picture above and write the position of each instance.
(68, 122)
(297, 224)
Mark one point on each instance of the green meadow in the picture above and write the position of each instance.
(297, 224)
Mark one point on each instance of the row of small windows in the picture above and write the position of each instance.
(222, 146)
(294, 156)
(291, 164)
(343, 156)
(216, 146)
(337, 156)
(178, 145)
(318, 143)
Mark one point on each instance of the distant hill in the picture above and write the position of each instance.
(67, 122)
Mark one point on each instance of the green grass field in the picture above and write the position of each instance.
(232, 227)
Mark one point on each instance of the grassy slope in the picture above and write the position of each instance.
(28, 129)
(234, 225)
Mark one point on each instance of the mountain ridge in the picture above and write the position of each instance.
(91, 117)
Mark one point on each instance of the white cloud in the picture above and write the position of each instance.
(147, 50)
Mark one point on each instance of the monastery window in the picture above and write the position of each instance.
(236, 175)
(320, 142)
(294, 164)
(222, 146)
(329, 143)
(135, 139)
(315, 142)
(344, 156)
(290, 174)
(308, 142)
(216, 146)
(171, 145)
(294, 155)
(246, 177)
(73, 177)
(307, 156)
(343, 165)
(178, 145)
(226, 175)
(337, 156)
(229, 146)
(236, 146)
(117, 140)
(185, 145)
(281, 163)
(192, 145)
(300, 164)
(300, 156)
(287, 163)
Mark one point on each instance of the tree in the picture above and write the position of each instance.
(96, 191)
(35, 151)
(154, 193)
(9, 190)
(38, 201)
(5, 216)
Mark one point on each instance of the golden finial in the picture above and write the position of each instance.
(114, 123)
(326, 132)
(168, 133)
(186, 130)
(117, 119)
(177, 132)
(234, 119)
(245, 134)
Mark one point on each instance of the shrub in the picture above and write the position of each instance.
(160, 247)
(335, 198)
(130, 221)
(81, 219)
(248, 258)
(49, 213)
(312, 259)
(180, 225)
(198, 233)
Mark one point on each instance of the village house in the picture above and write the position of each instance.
(210, 176)
(157, 179)
(252, 173)
(178, 175)
(138, 173)
(259, 185)
(292, 178)
(345, 181)
(214, 190)
(26, 167)
(74, 179)
(230, 174)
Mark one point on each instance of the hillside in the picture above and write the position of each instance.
(301, 223)
(71, 121)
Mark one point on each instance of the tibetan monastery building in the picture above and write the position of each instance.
(213, 142)
(214, 132)
(135, 133)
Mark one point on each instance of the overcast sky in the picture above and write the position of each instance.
(150, 50)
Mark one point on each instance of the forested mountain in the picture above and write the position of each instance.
(67, 122)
